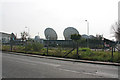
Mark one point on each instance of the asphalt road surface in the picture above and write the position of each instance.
(18, 66)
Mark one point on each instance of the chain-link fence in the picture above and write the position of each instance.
(94, 50)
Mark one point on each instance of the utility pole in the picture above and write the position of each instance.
(28, 31)
(87, 33)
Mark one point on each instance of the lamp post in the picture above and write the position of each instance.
(87, 33)
(26, 38)
(28, 31)
(103, 42)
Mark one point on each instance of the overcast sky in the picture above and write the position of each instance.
(59, 14)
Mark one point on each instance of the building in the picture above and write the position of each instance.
(85, 36)
(4, 37)
(62, 43)
(38, 39)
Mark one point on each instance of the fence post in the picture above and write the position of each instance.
(77, 50)
(25, 46)
(112, 55)
(47, 46)
(11, 45)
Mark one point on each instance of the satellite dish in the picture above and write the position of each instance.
(68, 32)
(50, 34)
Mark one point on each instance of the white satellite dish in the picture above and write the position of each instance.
(50, 34)
(68, 32)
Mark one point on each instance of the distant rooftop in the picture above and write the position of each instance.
(5, 33)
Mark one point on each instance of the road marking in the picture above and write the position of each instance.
(37, 62)
(94, 74)
(80, 72)
(107, 74)
(25, 62)
(69, 70)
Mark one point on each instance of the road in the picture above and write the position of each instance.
(19, 66)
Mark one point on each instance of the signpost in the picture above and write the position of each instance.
(12, 38)
(11, 41)
(112, 55)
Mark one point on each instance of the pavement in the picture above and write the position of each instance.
(67, 59)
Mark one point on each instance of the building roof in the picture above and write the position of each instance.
(4, 33)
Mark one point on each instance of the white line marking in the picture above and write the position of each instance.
(25, 62)
(69, 70)
(98, 74)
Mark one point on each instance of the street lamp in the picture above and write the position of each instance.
(103, 42)
(28, 31)
(87, 33)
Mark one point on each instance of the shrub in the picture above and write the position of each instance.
(18, 48)
(34, 46)
(37, 46)
(28, 47)
(6, 47)
(84, 49)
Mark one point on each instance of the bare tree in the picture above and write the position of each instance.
(116, 29)
(24, 35)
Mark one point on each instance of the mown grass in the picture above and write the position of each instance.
(84, 53)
